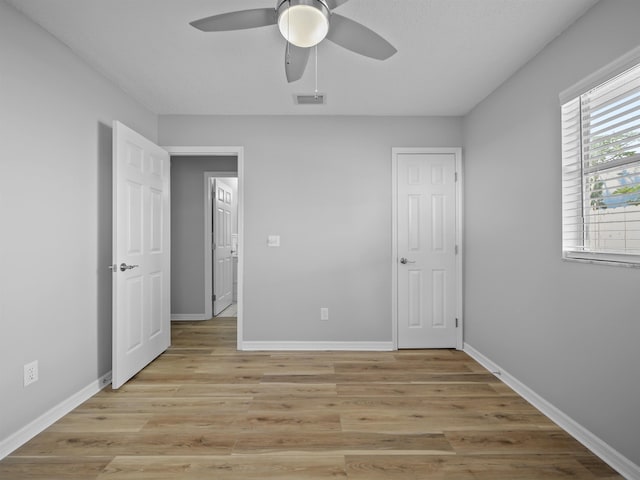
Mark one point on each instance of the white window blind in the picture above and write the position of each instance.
(601, 171)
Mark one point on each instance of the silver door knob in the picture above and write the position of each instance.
(404, 261)
(124, 266)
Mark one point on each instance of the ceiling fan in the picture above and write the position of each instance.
(304, 24)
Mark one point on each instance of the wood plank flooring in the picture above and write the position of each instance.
(204, 411)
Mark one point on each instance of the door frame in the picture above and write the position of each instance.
(457, 152)
(208, 238)
(238, 152)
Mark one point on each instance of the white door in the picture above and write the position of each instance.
(222, 255)
(426, 250)
(141, 253)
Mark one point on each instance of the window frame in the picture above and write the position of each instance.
(603, 75)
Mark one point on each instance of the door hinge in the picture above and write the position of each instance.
(455, 176)
(456, 249)
(213, 246)
(457, 323)
(213, 297)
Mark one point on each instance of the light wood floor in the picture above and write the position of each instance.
(204, 411)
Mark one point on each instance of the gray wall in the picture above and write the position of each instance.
(55, 206)
(567, 330)
(324, 185)
(187, 229)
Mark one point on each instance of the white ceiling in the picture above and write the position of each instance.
(451, 53)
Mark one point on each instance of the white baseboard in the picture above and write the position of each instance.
(48, 418)
(608, 454)
(318, 346)
(188, 317)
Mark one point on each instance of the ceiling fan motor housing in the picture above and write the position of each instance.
(304, 23)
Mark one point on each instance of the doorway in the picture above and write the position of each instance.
(221, 243)
(202, 285)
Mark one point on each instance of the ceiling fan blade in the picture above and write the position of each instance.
(295, 62)
(358, 38)
(335, 3)
(258, 17)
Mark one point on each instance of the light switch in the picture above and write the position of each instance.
(273, 241)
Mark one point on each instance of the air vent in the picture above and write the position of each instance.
(311, 99)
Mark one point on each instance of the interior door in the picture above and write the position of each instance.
(222, 248)
(141, 253)
(426, 242)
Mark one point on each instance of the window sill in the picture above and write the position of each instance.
(610, 259)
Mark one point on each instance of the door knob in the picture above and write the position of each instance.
(404, 261)
(124, 266)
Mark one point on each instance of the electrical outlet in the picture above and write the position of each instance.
(324, 314)
(30, 373)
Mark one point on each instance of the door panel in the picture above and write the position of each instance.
(156, 283)
(414, 298)
(426, 236)
(141, 239)
(134, 312)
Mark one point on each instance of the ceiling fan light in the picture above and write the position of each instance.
(303, 23)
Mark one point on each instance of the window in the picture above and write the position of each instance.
(601, 171)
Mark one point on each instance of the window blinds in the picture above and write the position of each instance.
(601, 168)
